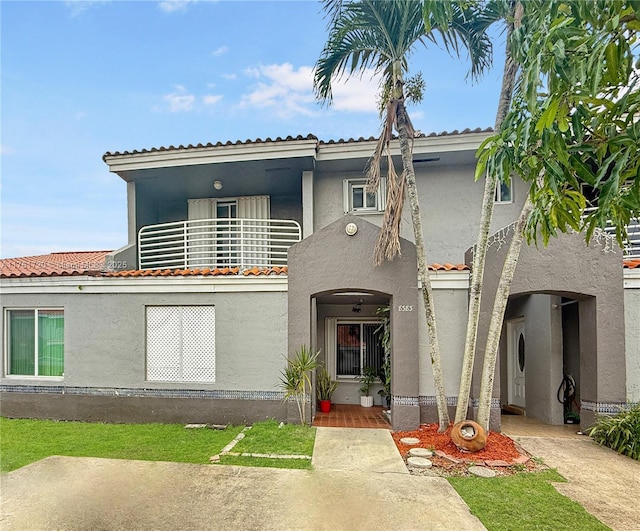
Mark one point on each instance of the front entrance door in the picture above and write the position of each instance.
(516, 358)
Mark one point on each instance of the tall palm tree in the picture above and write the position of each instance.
(380, 34)
(494, 11)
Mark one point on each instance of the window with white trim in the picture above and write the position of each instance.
(35, 342)
(181, 344)
(504, 192)
(357, 199)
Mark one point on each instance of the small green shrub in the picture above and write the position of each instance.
(620, 432)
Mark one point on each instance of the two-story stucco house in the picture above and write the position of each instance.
(238, 253)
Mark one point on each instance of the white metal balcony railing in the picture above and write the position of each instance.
(217, 243)
(631, 247)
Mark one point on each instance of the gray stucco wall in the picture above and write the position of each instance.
(450, 203)
(105, 337)
(543, 367)
(105, 349)
(632, 330)
(451, 319)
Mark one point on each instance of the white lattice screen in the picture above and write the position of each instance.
(181, 343)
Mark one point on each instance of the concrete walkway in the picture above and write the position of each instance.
(358, 482)
(604, 483)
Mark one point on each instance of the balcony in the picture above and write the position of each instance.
(631, 247)
(217, 243)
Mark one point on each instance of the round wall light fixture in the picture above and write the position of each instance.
(217, 185)
(351, 229)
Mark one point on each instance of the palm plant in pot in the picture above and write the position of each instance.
(325, 387)
(367, 379)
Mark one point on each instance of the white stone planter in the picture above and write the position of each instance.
(366, 401)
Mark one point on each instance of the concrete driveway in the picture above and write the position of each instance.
(358, 482)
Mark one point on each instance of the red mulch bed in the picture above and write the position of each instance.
(501, 453)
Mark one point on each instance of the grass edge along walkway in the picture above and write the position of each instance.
(525, 501)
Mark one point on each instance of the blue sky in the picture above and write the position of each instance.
(80, 78)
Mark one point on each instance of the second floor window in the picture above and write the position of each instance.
(358, 200)
(504, 193)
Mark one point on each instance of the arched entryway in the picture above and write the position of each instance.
(335, 290)
(540, 364)
(565, 316)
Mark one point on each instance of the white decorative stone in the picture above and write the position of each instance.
(410, 441)
(419, 462)
(482, 472)
(420, 452)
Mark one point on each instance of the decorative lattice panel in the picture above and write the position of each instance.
(181, 343)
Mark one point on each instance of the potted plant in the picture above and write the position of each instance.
(366, 379)
(295, 379)
(325, 387)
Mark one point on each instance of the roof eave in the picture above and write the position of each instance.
(190, 156)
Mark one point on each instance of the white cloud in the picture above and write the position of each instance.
(171, 6)
(211, 99)
(281, 88)
(220, 51)
(180, 100)
(78, 7)
(290, 91)
(231, 77)
(357, 94)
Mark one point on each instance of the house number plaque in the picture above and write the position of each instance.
(403, 308)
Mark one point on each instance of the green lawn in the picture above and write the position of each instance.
(270, 437)
(25, 441)
(523, 502)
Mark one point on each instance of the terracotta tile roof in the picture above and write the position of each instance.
(54, 264)
(449, 267)
(204, 272)
(92, 263)
(631, 264)
(286, 139)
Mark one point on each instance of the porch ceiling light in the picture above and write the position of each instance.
(351, 229)
(217, 185)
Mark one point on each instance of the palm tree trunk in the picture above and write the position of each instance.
(497, 316)
(480, 250)
(423, 272)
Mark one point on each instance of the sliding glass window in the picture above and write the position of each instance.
(35, 342)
